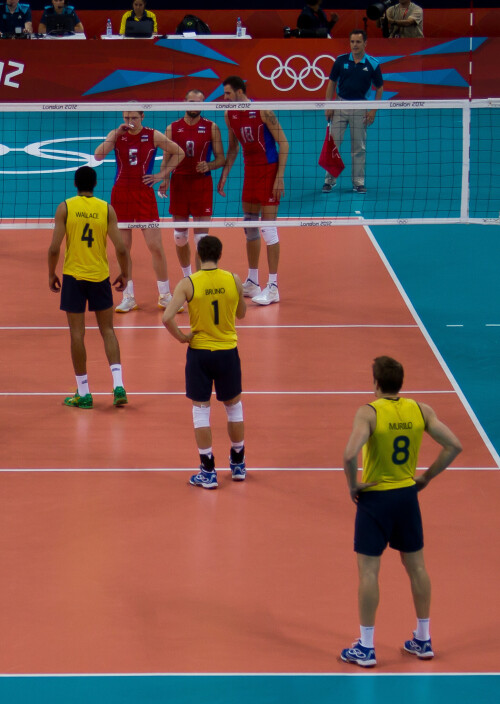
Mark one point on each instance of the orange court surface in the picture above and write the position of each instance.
(112, 563)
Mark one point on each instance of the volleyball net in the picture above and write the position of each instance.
(426, 161)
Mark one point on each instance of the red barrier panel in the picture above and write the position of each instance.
(59, 70)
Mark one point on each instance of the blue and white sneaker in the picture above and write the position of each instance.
(238, 470)
(359, 655)
(208, 480)
(421, 648)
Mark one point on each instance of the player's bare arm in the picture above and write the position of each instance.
(451, 446)
(363, 427)
(183, 292)
(242, 306)
(232, 153)
(121, 253)
(274, 127)
(109, 143)
(58, 235)
(172, 157)
(218, 150)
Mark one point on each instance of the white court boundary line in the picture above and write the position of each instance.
(244, 393)
(23, 328)
(437, 354)
(187, 470)
(248, 674)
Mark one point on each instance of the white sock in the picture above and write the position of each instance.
(253, 275)
(116, 371)
(205, 451)
(129, 288)
(238, 446)
(163, 287)
(83, 385)
(367, 633)
(186, 270)
(422, 632)
(273, 279)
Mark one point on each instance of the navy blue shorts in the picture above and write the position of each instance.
(220, 368)
(388, 517)
(75, 293)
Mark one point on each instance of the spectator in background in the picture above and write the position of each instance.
(60, 8)
(406, 20)
(312, 18)
(137, 13)
(15, 18)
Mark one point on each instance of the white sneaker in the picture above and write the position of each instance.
(128, 303)
(251, 289)
(164, 299)
(269, 295)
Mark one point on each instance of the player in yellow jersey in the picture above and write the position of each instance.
(86, 222)
(215, 299)
(389, 431)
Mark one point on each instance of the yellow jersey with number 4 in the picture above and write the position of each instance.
(212, 310)
(390, 456)
(86, 232)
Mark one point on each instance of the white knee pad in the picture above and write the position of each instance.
(199, 236)
(181, 237)
(201, 416)
(270, 235)
(235, 412)
(251, 233)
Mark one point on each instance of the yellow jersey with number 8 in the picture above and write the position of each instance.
(390, 456)
(212, 310)
(86, 232)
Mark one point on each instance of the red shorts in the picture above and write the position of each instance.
(258, 184)
(135, 203)
(190, 196)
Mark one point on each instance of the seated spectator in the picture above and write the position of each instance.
(138, 13)
(59, 16)
(15, 18)
(406, 20)
(312, 19)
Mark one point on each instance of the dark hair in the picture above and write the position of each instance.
(209, 249)
(236, 83)
(85, 178)
(358, 31)
(388, 373)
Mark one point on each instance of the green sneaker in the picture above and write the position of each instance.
(79, 401)
(120, 396)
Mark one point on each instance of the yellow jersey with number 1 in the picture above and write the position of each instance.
(390, 456)
(86, 232)
(212, 310)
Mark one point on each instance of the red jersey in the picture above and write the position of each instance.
(196, 141)
(258, 144)
(135, 156)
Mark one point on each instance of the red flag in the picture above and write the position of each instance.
(330, 159)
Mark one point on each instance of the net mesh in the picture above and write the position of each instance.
(431, 161)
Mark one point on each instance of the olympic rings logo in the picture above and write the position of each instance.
(292, 74)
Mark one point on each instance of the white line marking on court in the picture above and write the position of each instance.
(492, 325)
(117, 470)
(454, 325)
(434, 348)
(23, 328)
(247, 674)
(245, 393)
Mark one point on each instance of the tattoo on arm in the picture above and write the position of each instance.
(271, 117)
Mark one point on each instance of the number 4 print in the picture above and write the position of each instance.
(87, 235)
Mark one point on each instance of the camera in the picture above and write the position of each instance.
(320, 33)
(378, 9)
